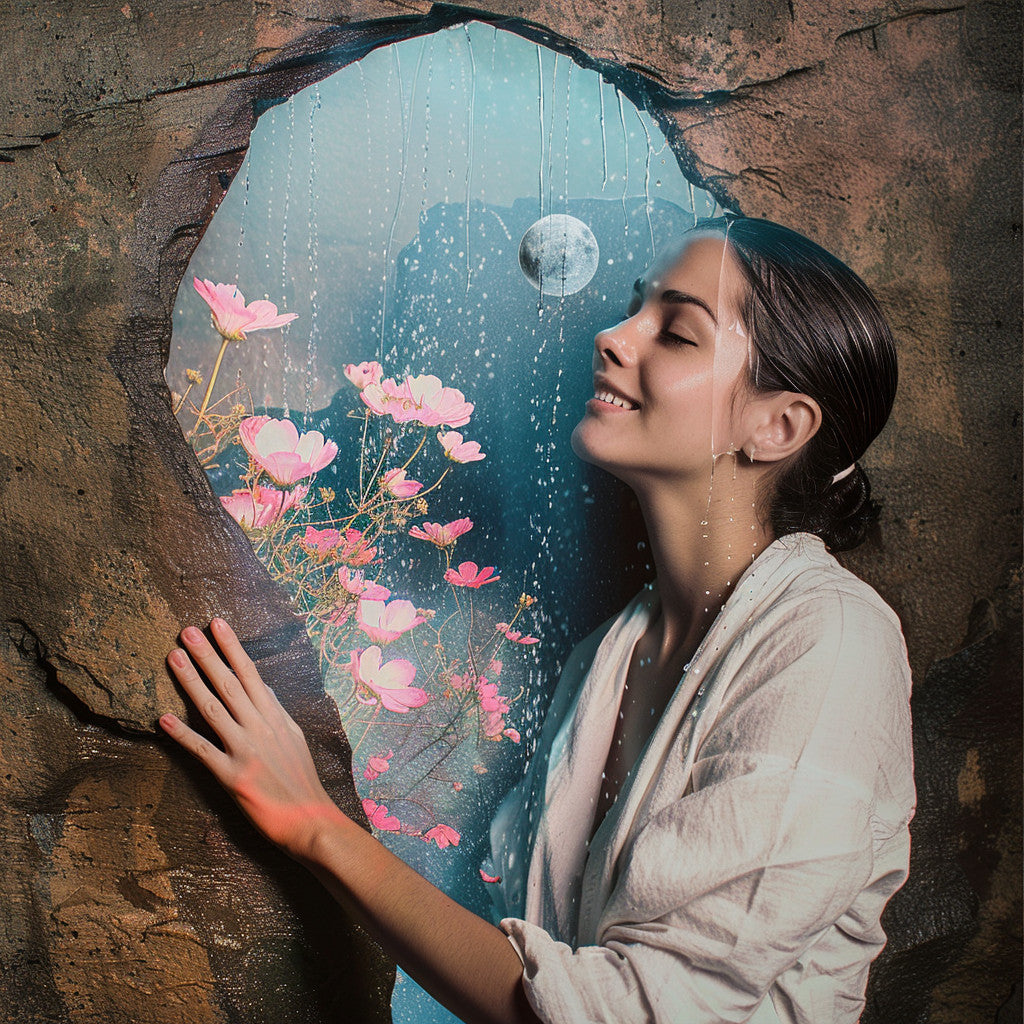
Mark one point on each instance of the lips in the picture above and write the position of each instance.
(604, 392)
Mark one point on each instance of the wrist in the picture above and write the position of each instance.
(321, 831)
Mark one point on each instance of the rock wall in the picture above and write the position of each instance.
(889, 131)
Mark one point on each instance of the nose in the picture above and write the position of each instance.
(617, 344)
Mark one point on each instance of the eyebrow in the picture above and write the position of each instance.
(677, 298)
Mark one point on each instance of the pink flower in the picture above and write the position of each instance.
(261, 506)
(379, 817)
(457, 786)
(388, 398)
(357, 586)
(362, 374)
(320, 542)
(422, 399)
(435, 404)
(354, 586)
(287, 456)
(462, 682)
(383, 623)
(395, 482)
(443, 835)
(517, 637)
(489, 878)
(440, 535)
(494, 665)
(493, 706)
(232, 317)
(377, 765)
(468, 575)
(389, 681)
(458, 450)
(512, 734)
(355, 550)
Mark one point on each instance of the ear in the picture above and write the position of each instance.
(779, 425)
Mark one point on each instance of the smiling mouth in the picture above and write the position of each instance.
(610, 398)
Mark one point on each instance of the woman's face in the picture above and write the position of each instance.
(666, 395)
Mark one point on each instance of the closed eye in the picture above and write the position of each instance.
(678, 339)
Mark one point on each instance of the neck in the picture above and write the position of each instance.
(704, 533)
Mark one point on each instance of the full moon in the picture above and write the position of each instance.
(558, 254)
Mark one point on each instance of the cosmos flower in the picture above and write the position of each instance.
(261, 506)
(439, 535)
(358, 586)
(493, 706)
(388, 398)
(383, 623)
(422, 399)
(232, 317)
(389, 681)
(362, 374)
(355, 551)
(443, 835)
(469, 575)
(377, 765)
(394, 481)
(465, 681)
(458, 450)
(517, 637)
(278, 448)
(435, 405)
(320, 542)
(379, 817)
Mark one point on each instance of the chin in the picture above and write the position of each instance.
(591, 454)
(584, 451)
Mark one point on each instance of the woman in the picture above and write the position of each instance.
(717, 811)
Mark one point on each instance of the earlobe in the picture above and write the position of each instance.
(787, 422)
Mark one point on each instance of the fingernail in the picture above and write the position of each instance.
(192, 635)
(218, 623)
(177, 658)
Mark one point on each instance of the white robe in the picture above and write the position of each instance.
(741, 873)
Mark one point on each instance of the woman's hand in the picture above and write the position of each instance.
(265, 764)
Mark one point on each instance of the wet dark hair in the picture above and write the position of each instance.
(817, 330)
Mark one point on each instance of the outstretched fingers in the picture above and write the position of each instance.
(198, 746)
(212, 710)
(224, 681)
(263, 698)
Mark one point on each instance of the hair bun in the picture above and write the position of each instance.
(841, 514)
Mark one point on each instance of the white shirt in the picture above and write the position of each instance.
(741, 873)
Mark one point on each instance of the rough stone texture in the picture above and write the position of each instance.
(888, 131)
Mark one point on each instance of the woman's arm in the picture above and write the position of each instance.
(463, 961)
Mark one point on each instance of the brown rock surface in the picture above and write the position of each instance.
(888, 131)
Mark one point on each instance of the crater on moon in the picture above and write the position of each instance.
(558, 254)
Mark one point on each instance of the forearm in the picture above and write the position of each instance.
(465, 962)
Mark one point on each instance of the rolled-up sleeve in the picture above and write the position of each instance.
(775, 859)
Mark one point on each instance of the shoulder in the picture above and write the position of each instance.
(820, 663)
(810, 603)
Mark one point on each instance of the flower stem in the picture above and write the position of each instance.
(209, 387)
